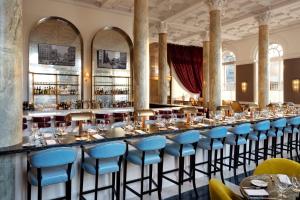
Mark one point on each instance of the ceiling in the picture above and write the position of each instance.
(186, 19)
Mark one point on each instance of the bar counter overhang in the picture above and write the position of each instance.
(20, 153)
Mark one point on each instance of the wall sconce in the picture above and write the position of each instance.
(86, 76)
(296, 85)
(244, 87)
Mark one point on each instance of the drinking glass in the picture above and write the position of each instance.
(62, 127)
(282, 186)
(34, 130)
(295, 184)
(101, 125)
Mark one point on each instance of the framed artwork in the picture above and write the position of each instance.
(111, 59)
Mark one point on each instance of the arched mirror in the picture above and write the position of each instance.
(55, 64)
(112, 68)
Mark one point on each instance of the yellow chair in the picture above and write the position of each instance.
(278, 166)
(219, 191)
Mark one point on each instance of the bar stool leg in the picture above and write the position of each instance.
(28, 191)
(221, 165)
(142, 180)
(96, 179)
(124, 179)
(209, 164)
(250, 152)
(244, 160)
(215, 161)
(290, 139)
(266, 144)
(118, 185)
(297, 148)
(159, 177)
(181, 160)
(235, 164)
(281, 146)
(40, 192)
(230, 157)
(113, 180)
(81, 183)
(256, 152)
(150, 179)
(192, 166)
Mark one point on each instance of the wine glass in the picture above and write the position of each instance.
(34, 130)
(295, 184)
(101, 125)
(282, 186)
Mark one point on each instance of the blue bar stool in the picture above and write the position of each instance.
(148, 151)
(50, 167)
(293, 129)
(276, 131)
(103, 159)
(183, 145)
(213, 142)
(259, 134)
(237, 137)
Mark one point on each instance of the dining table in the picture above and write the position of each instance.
(267, 187)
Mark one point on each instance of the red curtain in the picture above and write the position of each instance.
(188, 64)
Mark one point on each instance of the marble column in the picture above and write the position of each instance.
(215, 53)
(141, 55)
(11, 57)
(205, 86)
(263, 60)
(163, 89)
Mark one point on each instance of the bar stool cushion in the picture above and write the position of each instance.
(272, 133)
(289, 130)
(50, 176)
(254, 136)
(204, 143)
(151, 157)
(105, 166)
(174, 149)
(231, 139)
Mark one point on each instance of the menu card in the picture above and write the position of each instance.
(284, 179)
(97, 136)
(256, 192)
(173, 128)
(140, 132)
(50, 142)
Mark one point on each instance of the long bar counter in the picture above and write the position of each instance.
(121, 134)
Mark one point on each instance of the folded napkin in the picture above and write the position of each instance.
(173, 128)
(256, 192)
(97, 136)
(50, 142)
(47, 135)
(140, 131)
(90, 130)
(284, 179)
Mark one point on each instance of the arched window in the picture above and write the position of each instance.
(228, 75)
(275, 72)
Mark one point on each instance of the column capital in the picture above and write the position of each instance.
(216, 4)
(162, 27)
(263, 18)
(205, 36)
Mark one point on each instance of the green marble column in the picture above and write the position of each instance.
(141, 55)
(205, 88)
(263, 60)
(163, 64)
(215, 67)
(11, 57)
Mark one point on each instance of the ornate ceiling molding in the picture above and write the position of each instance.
(264, 18)
(216, 4)
(163, 27)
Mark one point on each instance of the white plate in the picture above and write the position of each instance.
(259, 183)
